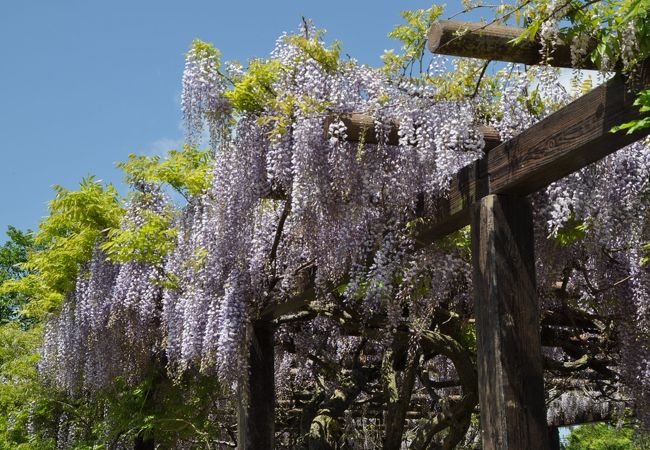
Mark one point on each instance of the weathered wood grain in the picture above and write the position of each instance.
(509, 360)
(256, 414)
(494, 42)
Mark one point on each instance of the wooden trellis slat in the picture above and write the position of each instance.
(255, 416)
(361, 128)
(564, 142)
(511, 384)
(495, 42)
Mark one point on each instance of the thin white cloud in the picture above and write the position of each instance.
(161, 146)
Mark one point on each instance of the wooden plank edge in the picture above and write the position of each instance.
(496, 42)
(360, 127)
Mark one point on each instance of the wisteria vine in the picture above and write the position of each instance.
(293, 203)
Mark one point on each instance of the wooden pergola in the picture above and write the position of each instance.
(489, 194)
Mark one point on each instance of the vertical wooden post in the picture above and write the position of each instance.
(255, 419)
(511, 385)
(554, 438)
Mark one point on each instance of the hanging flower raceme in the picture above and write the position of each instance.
(599, 215)
(202, 100)
(109, 326)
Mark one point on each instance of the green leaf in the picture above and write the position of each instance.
(254, 91)
(571, 232)
(643, 101)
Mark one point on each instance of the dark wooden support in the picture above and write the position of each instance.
(554, 438)
(495, 42)
(509, 361)
(361, 128)
(255, 419)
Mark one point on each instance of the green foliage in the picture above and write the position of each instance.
(40, 271)
(66, 238)
(468, 336)
(612, 18)
(413, 36)
(280, 122)
(314, 48)
(645, 248)
(469, 78)
(188, 171)
(254, 91)
(460, 240)
(77, 220)
(643, 102)
(13, 255)
(158, 407)
(206, 50)
(93, 207)
(619, 31)
(36, 274)
(573, 231)
(604, 21)
(600, 436)
(148, 241)
(22, 396)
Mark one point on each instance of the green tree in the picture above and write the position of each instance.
(22, 398)
(13, 254)
(601, 436)
(37, 271)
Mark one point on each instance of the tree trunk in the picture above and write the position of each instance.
(397, 407)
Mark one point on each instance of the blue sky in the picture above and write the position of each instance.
(85, 83)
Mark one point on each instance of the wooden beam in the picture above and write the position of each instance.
(566, 141)
(361, 128)
(494, 42)
(606, 413)
(509, 359)
(554, 438)
(256, 413)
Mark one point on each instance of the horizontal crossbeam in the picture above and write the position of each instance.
(497, 43)
(361, 128)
